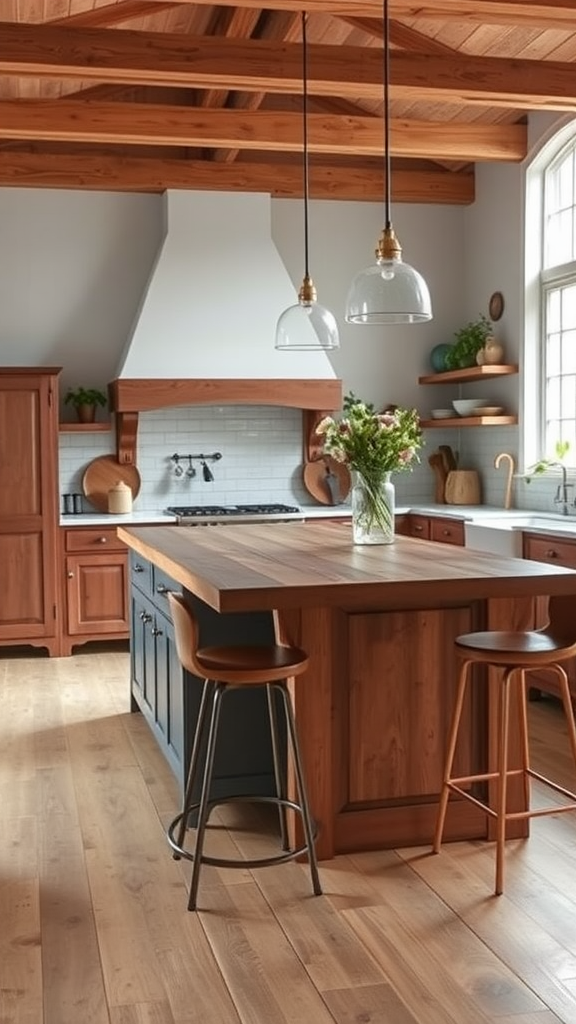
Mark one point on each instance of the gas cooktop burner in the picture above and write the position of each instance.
(223, 511)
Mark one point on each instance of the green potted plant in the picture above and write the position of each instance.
(469, 341)
(85, 401)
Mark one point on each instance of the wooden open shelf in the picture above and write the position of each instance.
(471, 421)
(83, 428)
(470, 374)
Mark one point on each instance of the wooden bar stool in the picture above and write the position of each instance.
(515, 654)
(224, 669)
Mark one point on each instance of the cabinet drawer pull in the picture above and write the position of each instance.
(418, 529)
(138, 567)
(445, 533)
(161, 589)
(145, 617)
(156, 631)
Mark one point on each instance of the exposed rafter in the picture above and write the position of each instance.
(157, 125)
(262, 66)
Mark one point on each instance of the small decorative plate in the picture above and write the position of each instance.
(496, 305)
(488, 410)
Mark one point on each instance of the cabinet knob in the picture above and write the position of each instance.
(156, 631)
(418, 529)
(551, 554)
(138, 567)
(161, 589)
(102, 540)
(70, 575)
(145, 617)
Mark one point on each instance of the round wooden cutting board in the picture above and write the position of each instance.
(317, 480)
(103, 473)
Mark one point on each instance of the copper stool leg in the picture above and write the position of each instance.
(452, 742)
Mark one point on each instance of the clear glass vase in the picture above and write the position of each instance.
(372, 510)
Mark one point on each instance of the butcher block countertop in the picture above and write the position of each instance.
(283, 565)
(378, 624)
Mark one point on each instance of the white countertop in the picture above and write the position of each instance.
(485, 515)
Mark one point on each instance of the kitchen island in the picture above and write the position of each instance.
(378, 624)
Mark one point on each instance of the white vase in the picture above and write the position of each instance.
(372, 510)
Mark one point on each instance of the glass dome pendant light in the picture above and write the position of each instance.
(390, 291)
(306, 325)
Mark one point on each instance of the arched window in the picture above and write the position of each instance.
(550, 337)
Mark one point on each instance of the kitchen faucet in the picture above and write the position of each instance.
(510, 460)
(562, 492)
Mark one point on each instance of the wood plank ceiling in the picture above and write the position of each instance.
(143, 95)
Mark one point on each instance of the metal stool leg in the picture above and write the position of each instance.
(188, 795)
(302, 792)
(452, 741)
(203, 807)
(278, 773)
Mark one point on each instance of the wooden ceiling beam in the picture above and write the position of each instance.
(119, 173)
(115, 14)
(262, 66)
(528, 13)
(400, 35)
(159, 125)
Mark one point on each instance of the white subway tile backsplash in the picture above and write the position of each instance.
(262, 457)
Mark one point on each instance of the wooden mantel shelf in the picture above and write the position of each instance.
(130, 396)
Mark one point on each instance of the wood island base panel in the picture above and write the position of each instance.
(378, 623)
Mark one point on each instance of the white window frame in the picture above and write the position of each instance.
(538, 283)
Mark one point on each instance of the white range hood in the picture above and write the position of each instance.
(217, 289)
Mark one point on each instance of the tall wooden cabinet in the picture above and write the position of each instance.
(29, 507)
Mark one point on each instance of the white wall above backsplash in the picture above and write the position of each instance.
(262, 455)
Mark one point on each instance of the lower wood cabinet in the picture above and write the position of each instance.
(435, 528)
(555, 551)
(96, 591)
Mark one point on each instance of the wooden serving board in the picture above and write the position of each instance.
(105, 472)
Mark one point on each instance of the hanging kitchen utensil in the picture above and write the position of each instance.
(190, 472)
(207, 472)
(319, 481)
(102, 474)
(332, 483)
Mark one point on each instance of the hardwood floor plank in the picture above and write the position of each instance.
(266, 979)
(20, 956)
(378, 1004)
(524, 944)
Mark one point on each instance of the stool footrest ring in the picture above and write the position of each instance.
(224, 862)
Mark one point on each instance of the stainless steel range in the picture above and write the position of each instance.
(202, 515)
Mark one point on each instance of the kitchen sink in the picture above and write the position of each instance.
(503, 536)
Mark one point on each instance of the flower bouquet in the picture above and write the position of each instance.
(373, 445)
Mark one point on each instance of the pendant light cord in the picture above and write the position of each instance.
(387, 159)
(305, 139)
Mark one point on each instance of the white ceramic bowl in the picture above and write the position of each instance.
(442, 414)
(466, 406)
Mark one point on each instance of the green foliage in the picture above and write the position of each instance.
(561, 449)
(370, 442)
(469, 341)
(85, 396)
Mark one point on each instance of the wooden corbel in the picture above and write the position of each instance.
(313, 443)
